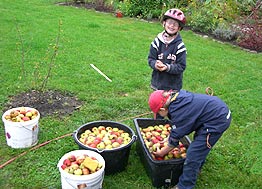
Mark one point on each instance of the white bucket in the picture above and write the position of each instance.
(91, 181)
(21, 134)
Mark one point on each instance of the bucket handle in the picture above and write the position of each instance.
(27, 128)
(134, 137)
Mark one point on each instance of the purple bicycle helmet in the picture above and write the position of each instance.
(175, 14)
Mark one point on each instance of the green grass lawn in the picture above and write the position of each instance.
(119, 47)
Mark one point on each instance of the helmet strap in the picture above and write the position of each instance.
(170, 35)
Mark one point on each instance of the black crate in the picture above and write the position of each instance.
(163, 173)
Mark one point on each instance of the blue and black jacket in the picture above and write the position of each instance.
(201, 113)
(174, 56)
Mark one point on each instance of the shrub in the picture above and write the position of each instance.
(225, 32)
(251, 29)
(149, 9)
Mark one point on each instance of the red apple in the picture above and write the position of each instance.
(119, 140)
(183, 150)
(71, 158)
(155, 141)
(67, 162)
(63, 166)
(26, 118)
(176, 154)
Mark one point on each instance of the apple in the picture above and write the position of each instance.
(182, 149)
(93, 145)
(103, 132)
(101, 128)
(26, 118)
(22, 110)
(109, 128)
(176, 154)
(148, 135)
(109, 147)
(112, 136)
(115, 145)
(80, 159)
(83, 135)
(78, 172)
(88, 131)
(100, 136)
(155, 141)
(107, 142)
(101, 146)
(151, 128)
(63, 166)
(149, 144)
(170, 155)
(97, 140)
(71, 158)
(67, 162)
(28, 114)
(119, 140)
(146, 130)
(124, 135)
(183, 155)
(155, 146)
(120, 131)
(74, 165)
(85, 171)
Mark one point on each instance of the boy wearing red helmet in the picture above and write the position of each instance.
(207, 116)
(167, 55)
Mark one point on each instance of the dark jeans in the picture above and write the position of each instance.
(198, 151)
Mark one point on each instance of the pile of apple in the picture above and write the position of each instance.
(21, 114)
(156, 137)
(81, 165)
(105, 137)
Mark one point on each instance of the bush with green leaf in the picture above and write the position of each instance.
(225, 32)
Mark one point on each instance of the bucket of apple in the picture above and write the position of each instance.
(21, 127)
(112, 140)
(81, 169)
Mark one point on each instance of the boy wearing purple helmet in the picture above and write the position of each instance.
(167, 55)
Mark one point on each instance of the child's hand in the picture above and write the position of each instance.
(160, 66)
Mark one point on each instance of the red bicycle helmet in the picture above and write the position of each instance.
(175, 14)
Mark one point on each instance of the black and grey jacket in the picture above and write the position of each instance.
(174, 56)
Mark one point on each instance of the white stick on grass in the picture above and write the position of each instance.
(101, 73)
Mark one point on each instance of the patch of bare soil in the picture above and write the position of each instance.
(47, 103)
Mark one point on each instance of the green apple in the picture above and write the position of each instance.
(101, 146)
(109, 147)
(115, 145)
(78, 172)
(107, 142)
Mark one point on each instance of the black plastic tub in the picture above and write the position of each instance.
(164, 173)
(115, 159)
